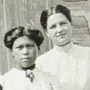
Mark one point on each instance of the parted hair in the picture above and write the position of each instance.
(20, 31)
(52, 10)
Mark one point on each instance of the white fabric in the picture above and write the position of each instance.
(71, 65)
(17, 80)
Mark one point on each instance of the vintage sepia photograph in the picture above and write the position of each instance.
(44, 44)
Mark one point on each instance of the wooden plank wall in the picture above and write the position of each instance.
(14, 13)
(22, 12)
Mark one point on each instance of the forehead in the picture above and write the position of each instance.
(23, 40)
(57, 17)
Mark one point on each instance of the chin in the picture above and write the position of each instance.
(26, 66)
(62, 43)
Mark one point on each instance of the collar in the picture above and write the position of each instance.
(30, 68)
(25, 69)
(64, 48)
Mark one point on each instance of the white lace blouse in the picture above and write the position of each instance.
(18, 80)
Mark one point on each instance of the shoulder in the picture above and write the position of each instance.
(9, 73)
(47, 55)
(81, 48)
(44, 57)
(7, 76)
(81, 51)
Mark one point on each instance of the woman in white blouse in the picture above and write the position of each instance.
(24, 44)
(69, 62)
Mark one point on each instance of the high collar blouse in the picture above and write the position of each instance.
(17, 80)
(70, 64)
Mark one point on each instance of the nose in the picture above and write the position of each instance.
(59, 29)
(25, 51)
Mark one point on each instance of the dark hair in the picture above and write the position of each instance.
(57, 9)
(20, 31)
(1, 88)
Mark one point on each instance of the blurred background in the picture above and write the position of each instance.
(27, 12)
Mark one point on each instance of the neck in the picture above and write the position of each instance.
(64, 47)
(30, 68)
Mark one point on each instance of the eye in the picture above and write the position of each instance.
(63, 23)
(53, 26)
(19, 47)
(30, 46)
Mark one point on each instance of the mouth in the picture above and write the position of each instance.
(61, 35)
(26, 58)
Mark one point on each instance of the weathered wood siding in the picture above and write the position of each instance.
(24, 12)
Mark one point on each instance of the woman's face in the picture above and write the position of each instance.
(24, 52)
(59, 29)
